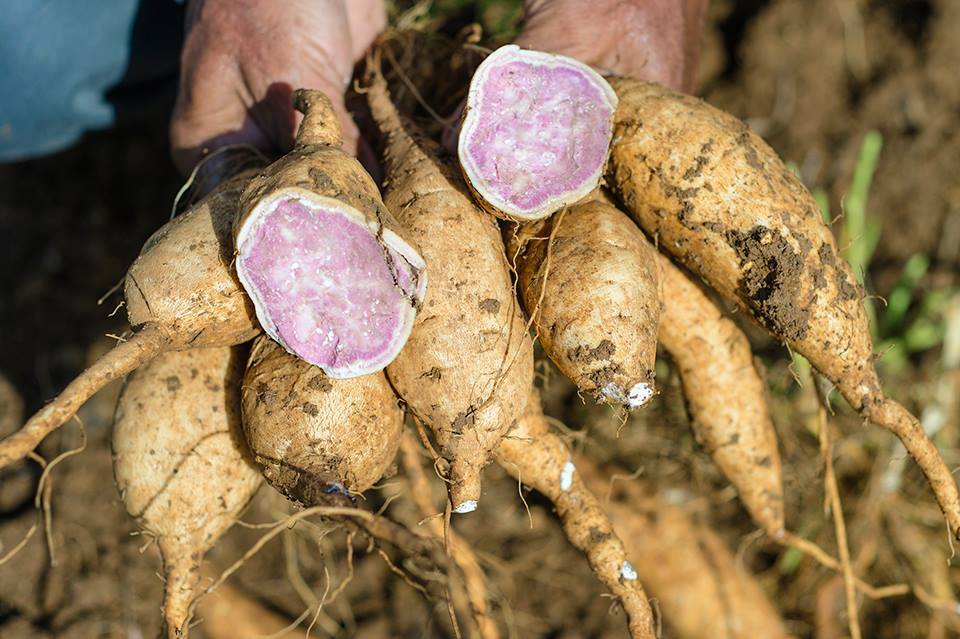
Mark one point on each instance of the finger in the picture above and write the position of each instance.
(655, 40)
(367, 19)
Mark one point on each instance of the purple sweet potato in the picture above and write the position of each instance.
(329, 270)
(181, 464)
(720, 201)
(535, 133)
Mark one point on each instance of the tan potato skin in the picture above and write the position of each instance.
(313, 434)
(229, 613)
(181, 292)
(538, 458)
(184, 279)
(700, 587)
(595, 303)
(716, 197)
(180, 462)
(468, 363)
(725, 395)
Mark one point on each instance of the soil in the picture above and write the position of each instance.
(812, 77)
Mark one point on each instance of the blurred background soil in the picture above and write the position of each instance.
(815, 78)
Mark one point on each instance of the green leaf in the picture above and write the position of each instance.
(859, 240)
(823, 201)
(903, 292)
(923, 335)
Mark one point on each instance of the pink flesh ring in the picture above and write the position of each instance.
(536, 131)
(324, 287)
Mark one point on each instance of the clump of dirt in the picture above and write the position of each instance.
(770, 279)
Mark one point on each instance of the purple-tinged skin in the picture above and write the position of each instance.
(323, 288)
(537, 132)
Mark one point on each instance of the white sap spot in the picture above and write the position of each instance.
(467, 506)
(639, 395)
(613, 392)
(636, 397)
(627, 571)
(566, 476)
(287, 233)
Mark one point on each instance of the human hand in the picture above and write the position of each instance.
(653, 40)
(242, 59)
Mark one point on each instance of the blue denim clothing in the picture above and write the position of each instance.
(69, 66)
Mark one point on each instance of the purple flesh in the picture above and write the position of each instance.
(321, 280)
(537, 132)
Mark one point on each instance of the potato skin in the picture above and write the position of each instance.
(184, 279)
(181, 292)
(325, 171)
(681, 560)
(179, 458)
(468, 363)
(717, 198)
(596, 313)
(313, 435)
(725, 395)
(180, 461)
(532, 454)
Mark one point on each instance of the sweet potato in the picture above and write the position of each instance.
(328, 269)
(229, 613)
(716, 197)
(474, 588)
(314, 435)
(180, 463)
(700, 586)
(541, 460)
(725, 395)
(181, 292)
(469, 361)
(535, 132)
(588, 278)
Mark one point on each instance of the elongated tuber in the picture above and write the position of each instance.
(588, 278)
(725, 395)
(717, 198)
(469, 360)
(540, 459)
(181, 292)
(180, 462)
(700, 586)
